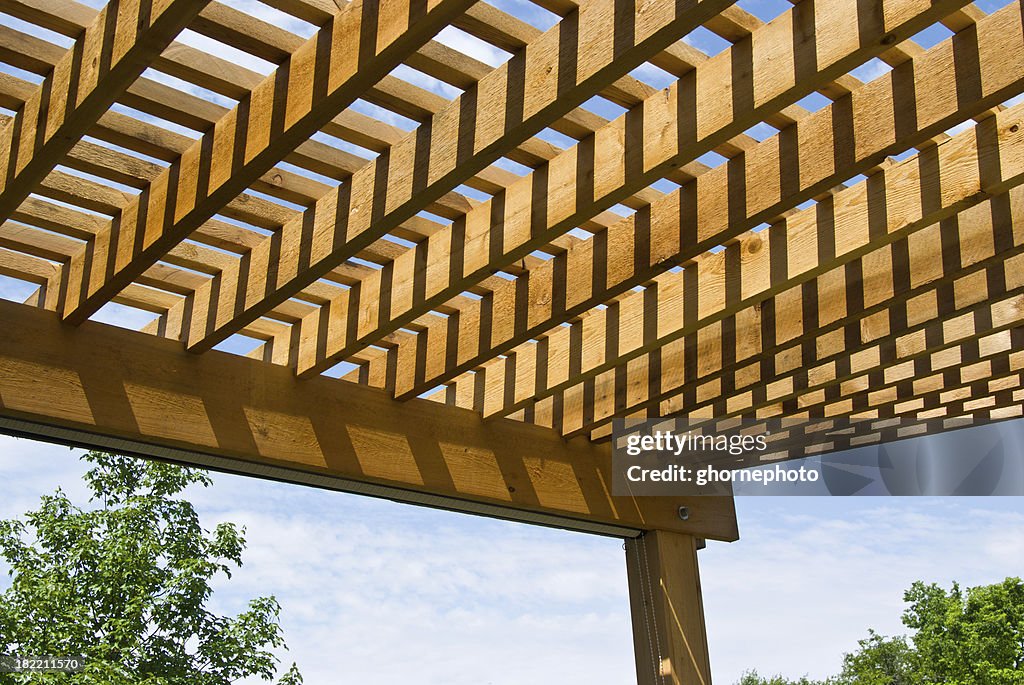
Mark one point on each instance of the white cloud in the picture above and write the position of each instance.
(800, 588)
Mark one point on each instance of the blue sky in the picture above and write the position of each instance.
(384, 593)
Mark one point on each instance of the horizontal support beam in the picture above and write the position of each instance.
(101, 385)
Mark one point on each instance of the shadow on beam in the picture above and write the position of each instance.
(101, 386)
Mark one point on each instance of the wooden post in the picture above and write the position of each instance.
(669, 637)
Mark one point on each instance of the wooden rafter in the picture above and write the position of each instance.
(721, 204)
(103, 62)
(325, 75)
(674, 126)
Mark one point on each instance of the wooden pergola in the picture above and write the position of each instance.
(502, 271)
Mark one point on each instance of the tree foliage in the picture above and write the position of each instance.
(753, 678)
(972, 637)
(881, 660)
(124, 583)
(968, 638)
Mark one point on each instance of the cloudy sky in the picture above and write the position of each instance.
(383, 593)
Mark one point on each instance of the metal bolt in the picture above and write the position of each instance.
(684, 513)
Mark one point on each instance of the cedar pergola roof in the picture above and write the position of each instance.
(473, 261)
(857, 258)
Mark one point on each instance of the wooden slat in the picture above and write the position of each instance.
(867, 309)
(558, 71)
(977, 403)
(903, 198)
(235, 81)
(104, 61)
(989, 383)
(981, 375)
(987, 330)
(722, 98)
(320, 79)
(25, 267)
(944, 373)
(725, 202)
(1001, 406)
(255, 418)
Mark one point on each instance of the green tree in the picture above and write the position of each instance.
(753, 678)
(969, 638)
(881, 661)
(124, 583)
(959, 638)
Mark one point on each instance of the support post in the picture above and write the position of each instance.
(669, 636)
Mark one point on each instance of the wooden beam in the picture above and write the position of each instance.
(723, 367)
(984, 391)
(720, 99)
(970, 351)
(896, 202)
(724, 202)
(325, 75)
(901, 296)
(234, 81)
(670, 641)
(249, 416)
(981, 402)
(980, 379)
(104, 61)
(554, 74)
